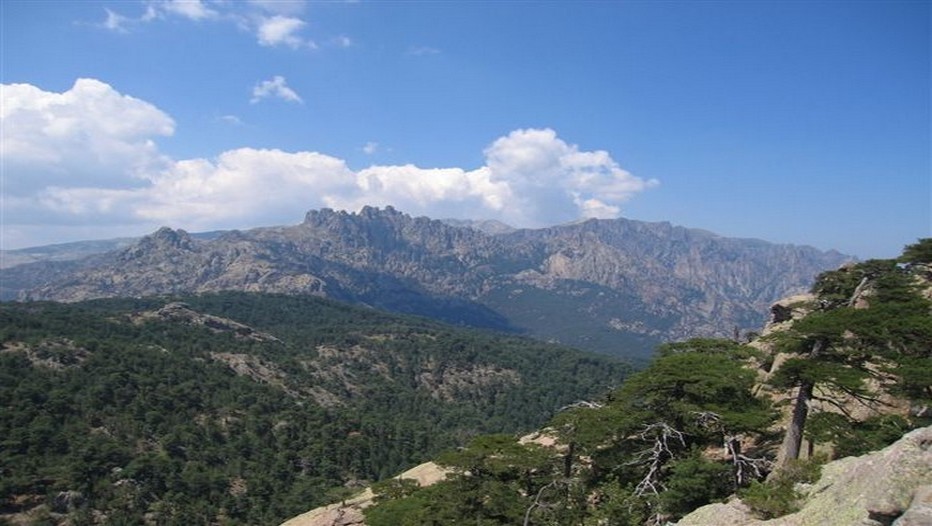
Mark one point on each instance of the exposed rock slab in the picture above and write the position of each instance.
(182, 313)
(890, 486)
(350, 512)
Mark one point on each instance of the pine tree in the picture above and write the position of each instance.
(871, 323)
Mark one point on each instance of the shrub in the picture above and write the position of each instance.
(779, 496)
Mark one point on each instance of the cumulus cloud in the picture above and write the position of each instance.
(552, 179)
(246, 184)
(437, 192)
(89, 133)
(87, 157)
(276, 87)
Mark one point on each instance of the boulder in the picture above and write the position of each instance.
(350, 511)
(892, 486)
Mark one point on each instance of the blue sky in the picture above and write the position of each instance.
(793, 122)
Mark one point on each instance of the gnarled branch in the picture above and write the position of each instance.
(662, 435)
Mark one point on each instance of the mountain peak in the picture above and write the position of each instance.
(326, 216)
(166, 237)
(158, 244)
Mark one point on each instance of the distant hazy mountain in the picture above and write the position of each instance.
(615, 286)
(61, 252)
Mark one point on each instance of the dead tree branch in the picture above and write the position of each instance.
(537, 501)
(584, 404)
(745, 468)
(662, 435)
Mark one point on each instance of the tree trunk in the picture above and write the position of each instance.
(792, 441)
(568, 460)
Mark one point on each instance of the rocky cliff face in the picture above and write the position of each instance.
(616, 286)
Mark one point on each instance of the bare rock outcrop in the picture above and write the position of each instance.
(892, 486)
(182, 313)
(350, 511)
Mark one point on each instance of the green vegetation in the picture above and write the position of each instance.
(687, 430)
(870, 334)
(778, 496)
(110, 417)
(651, 450)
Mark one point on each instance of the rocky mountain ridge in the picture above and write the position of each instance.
(617, 286)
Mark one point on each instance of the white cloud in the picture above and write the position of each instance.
(273, 22)
(195, 10)
(192, 9)
(245, 187)
(282, 30)
(342, 41)
(87, 157)
(552, 179)
(437, 192)
(276, 87)
(282, 7)
(116, 22)
(370, 148)
(89, 133)
(232, 120)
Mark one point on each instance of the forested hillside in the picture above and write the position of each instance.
(240, 408)
(851, 372)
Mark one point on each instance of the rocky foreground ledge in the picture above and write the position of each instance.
(892, 486)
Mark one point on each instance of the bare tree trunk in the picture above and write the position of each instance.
(858, 291)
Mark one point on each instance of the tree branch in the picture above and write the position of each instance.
(536, 503)
(662, 434)
(746, 468)
(585, 404)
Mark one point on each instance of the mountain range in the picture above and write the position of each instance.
(613, 286)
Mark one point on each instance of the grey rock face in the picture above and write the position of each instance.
(890, 486)
(606, 285)
(919, 512)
